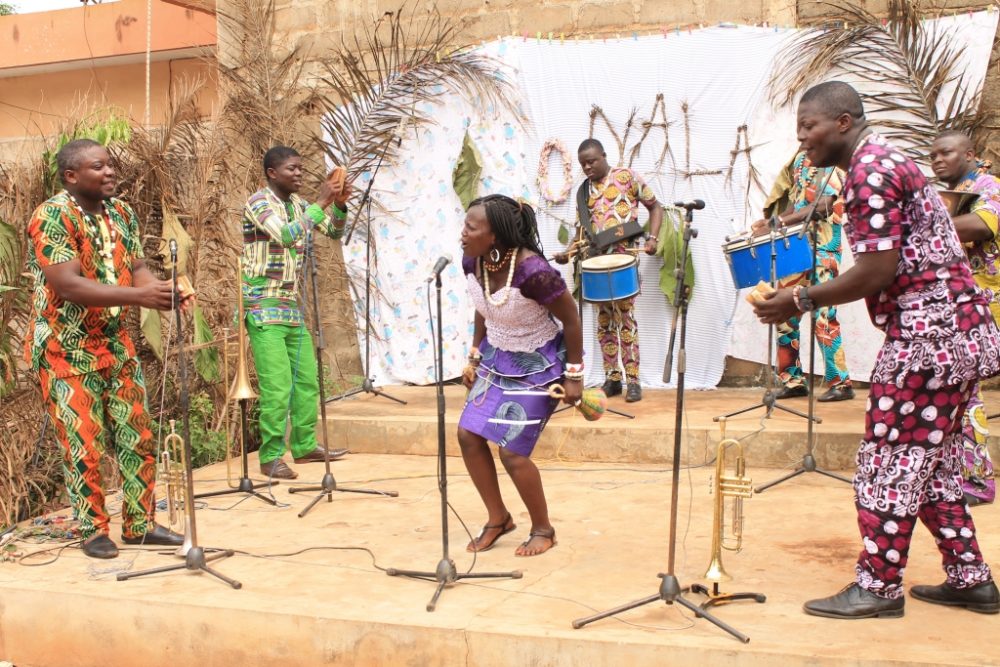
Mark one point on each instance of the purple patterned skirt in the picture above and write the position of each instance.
(508, 403)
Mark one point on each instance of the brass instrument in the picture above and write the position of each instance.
(172, 475)
(174, 472)
(958, 202)
(241, 388)
(736, 486)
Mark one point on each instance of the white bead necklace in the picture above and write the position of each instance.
(506, 288)
(107, 235)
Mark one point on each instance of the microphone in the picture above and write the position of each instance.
(693, 205)
(173, 250)
(443, 261)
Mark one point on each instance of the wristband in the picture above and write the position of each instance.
(578, 377)
(574, 368)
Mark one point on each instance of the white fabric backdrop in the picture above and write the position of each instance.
(719, 73)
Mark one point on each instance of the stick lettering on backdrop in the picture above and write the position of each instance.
(658, 106)
(743, 148)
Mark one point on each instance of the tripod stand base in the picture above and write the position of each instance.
(670, 593)
(326, 488)
(768, 401)
(367, 387)
(195, 560)
(562, 408)
(446, 575)
(808, 465)
(247, 486)
(717, 598)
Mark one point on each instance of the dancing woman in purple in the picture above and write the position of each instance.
(518, 351)
(940, 339)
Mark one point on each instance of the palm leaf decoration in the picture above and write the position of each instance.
(913, 69)
(388, 78)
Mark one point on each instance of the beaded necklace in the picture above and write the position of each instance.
(105, 234)
(512, 255)
(496, 266)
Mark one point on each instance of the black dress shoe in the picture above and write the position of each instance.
(633, 393)
(612, 388)
(855, 602)
(973, 500)
(984, 598)
(157, 536)
(100, 546)
(278, 469)
(794, 391)
(842, 392)
(316, 455)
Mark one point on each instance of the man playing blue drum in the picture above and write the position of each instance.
(798, 184)
(608, 208)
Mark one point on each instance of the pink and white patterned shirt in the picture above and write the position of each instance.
(936, 319)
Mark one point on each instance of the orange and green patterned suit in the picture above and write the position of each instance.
(90, 377)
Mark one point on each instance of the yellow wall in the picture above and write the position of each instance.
(45, 103)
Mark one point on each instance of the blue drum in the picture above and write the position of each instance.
(609, 278)
(749, 258)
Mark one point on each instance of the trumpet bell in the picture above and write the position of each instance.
(716, 572)
(957, 202)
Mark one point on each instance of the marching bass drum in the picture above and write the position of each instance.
(609, 278)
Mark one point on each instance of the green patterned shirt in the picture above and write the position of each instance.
(274, 234)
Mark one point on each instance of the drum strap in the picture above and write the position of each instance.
(601, 241)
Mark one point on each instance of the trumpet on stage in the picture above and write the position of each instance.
(736, 486)
(173, 473)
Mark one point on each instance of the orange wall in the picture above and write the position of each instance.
(99, 31)
(44, 103)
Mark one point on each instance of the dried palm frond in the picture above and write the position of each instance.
(912, 68)
(405, 66)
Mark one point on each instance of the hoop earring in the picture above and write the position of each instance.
(494, 255)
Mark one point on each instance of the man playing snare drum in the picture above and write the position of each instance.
(607, 200)
(799, 186)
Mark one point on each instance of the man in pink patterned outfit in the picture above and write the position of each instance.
(940, 339)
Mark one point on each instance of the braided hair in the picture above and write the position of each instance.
(512, 222)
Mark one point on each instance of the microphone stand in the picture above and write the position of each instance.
(328, 484)
(808, 463)
(578, 278)
(194, 555)
(670, 589)
(445, 574)
(368, 385)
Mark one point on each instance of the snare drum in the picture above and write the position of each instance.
(609, 278)
(749, 259)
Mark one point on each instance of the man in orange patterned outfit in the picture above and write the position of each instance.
(88, 268)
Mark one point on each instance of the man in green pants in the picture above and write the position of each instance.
(275, 222)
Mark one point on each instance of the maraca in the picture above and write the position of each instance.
(592, 404)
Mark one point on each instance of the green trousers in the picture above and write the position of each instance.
(286, 374)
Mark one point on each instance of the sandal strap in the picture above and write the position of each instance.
(501, 526)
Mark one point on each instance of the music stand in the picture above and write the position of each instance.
(808, 463)
(328, 484)
(368, 384)
(445, 574)
(670, 591)
(577, 277)
(194, 555)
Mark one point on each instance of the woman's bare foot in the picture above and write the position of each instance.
(489, 535)
(539, 541)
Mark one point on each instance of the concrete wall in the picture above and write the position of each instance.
(318, 24)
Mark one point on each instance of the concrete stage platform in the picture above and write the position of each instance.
(314, 591)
